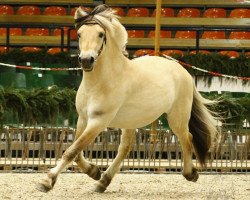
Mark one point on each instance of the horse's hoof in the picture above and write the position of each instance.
(192, 177)
(94, 172)
(43, 186)
(99, 188)
(103, 183)
(196, 177)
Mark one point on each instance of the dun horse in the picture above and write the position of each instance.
(128, 94)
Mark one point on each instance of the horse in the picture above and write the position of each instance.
(128, 94)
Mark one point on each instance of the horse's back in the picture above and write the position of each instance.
(162, 68)
(170, 73)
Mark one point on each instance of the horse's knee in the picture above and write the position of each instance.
(193, 176)
(69, 155)
(103, 183)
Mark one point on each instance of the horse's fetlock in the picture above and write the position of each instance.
(94, 172)
(51, 174)
(103, 183)
(105, 180)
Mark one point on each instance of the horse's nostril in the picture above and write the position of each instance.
(92, 59)
(86, 60)
(79, 59)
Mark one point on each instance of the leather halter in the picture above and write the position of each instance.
(90, 20)
(90, 16)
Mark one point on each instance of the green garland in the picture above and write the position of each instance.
(212, 62)
(2, 103)
(219, 63)
(41, 105)
(19, 57)
(233, 108)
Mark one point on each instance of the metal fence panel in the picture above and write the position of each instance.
(37, 148)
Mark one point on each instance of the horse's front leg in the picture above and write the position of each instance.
(94, 127)
(85, 166)
(127, 140)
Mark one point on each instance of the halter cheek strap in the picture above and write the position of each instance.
(103, 42)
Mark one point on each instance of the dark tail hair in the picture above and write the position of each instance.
(202, 126)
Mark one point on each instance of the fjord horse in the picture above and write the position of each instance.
(128, 94)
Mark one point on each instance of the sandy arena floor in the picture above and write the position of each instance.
(128, 186)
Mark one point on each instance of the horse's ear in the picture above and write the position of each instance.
(80, 13)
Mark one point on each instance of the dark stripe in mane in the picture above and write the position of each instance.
(89, 17)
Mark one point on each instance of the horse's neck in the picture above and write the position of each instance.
(108, 69)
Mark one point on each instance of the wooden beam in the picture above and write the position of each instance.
(175, 21)
(172, 3)
(185, 43)
(129, 21)
(47, 2)
(33, 40)
(222, 3)
(136, 42)
(37, 19)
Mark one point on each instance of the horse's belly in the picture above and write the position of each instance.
(132, 123)
(139, 115)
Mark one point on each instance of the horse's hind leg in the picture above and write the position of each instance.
(127, 140)
(178, 121)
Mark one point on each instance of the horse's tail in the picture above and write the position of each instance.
(202, 126)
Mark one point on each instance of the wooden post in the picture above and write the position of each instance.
(157, 27)
(157, 50)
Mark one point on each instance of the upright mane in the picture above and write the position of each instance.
(106, 18)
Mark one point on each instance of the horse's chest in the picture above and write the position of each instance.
(95, 105)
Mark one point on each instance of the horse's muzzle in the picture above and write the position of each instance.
(87, 63)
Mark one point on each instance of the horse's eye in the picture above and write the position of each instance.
(78, 35)
(101, 35)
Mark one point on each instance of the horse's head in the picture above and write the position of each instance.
(92, 39)
(93, 29)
